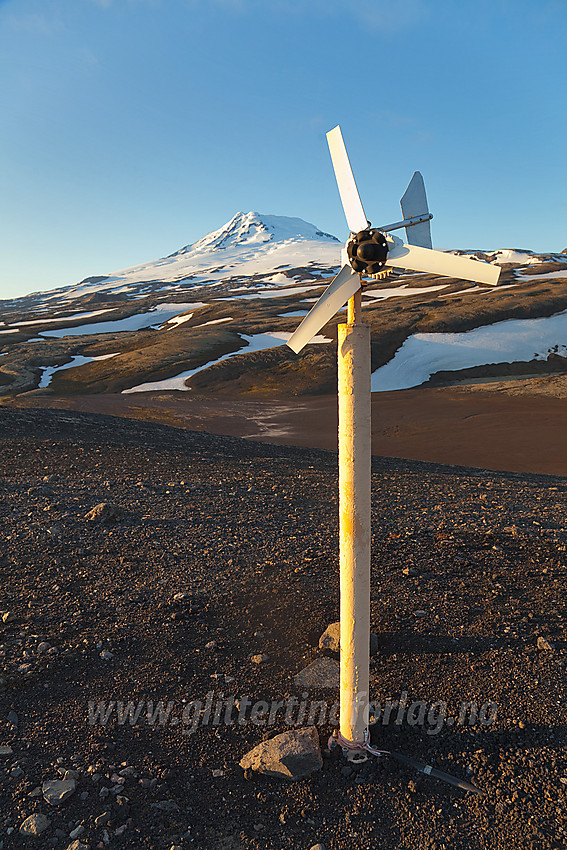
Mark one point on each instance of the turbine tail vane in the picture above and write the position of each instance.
(414, 204)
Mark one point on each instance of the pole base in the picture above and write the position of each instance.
(352, 751)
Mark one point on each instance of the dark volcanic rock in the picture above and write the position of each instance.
(292, 755)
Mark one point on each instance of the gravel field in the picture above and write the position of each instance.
(213, 569)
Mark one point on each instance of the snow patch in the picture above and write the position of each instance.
(400, 291)
(177, 320)
(256, 342)
(280, 293)
(215, 322)
(526, 278)
(78, 360)
(509, 255)
(158, 316)
(422, 355)
(69, 318)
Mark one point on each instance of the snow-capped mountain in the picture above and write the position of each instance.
(253, 228)
(249, 245)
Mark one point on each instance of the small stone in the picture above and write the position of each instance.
(106, 655)
(545, 645)
(126, 771)
(259, 659)
(6, 751)
(331, 639)
(420, 614)
(77, 845)
(8, 617)
(104, 512)
(166, 806)
(293, 755)
(12, 718)
(321, 673)
(217, 773)
(211, 644)
(410, 572)
(56, 791)
(35, 825)
(43, 647)
(16, 772)
(77, 831)
(317, 847)
(103, 819)
(182, 597)
(71, 774)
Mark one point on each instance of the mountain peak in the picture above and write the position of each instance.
(253, 228)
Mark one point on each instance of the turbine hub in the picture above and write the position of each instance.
(367, 251)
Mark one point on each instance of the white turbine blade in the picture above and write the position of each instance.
(352, 205)
(420, 259)
(343, 287)
(413, 204)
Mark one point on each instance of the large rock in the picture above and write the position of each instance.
(56, 791)
(291, 755)
(331, 639)
(321, 673)
(104, 512)
(35, 825)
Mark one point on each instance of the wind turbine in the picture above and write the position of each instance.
(368, 251)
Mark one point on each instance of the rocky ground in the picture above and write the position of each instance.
(213, 569)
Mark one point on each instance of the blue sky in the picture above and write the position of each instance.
(133, 127)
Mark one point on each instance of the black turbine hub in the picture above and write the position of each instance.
(367, 251)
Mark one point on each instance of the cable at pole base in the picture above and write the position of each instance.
(364, 747)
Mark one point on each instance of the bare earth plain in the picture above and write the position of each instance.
(222, 549)
(515, 425)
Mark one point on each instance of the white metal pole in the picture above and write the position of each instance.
(354, 520)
